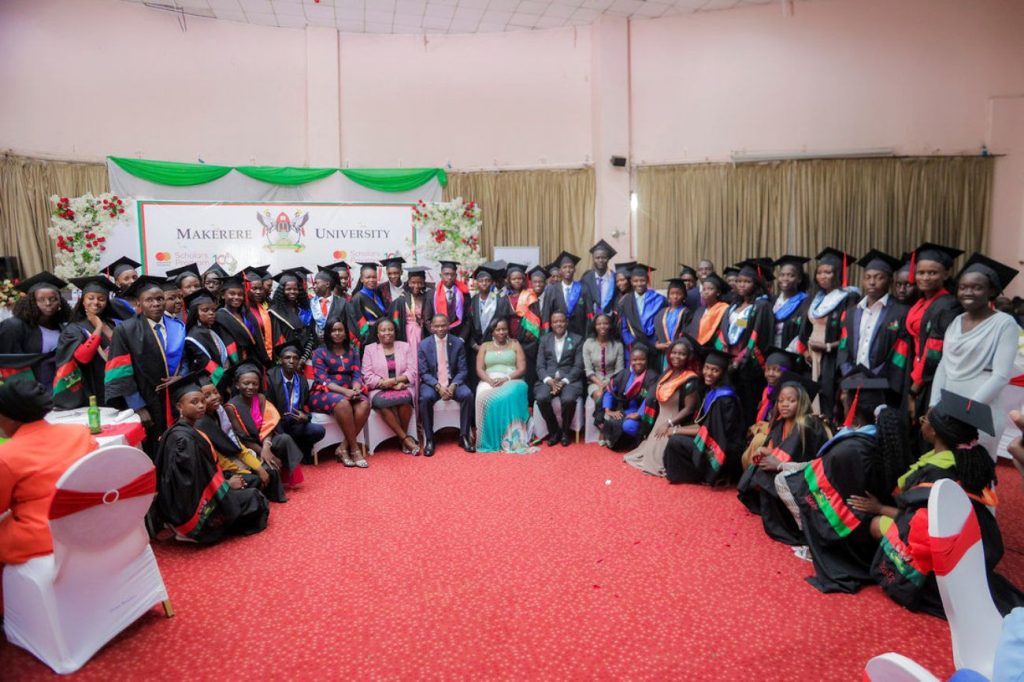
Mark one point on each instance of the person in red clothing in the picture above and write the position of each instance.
(36, 455)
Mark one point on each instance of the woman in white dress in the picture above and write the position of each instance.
(980, 345)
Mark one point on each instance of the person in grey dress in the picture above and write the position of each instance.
(602, 359)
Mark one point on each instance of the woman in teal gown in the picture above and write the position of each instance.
(502, 411)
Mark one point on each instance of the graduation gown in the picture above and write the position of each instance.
(790, 317)
(400, 313)
(925, 330)
(243, 339)
(577, 308)
(261, 314)
(637, 328)
(838, 535)
(193, 495)
(882, 359)
(75, 380)
(502, 311)
(526, 329)
(137, 364)
(225, 448)
(293, 324)
(362, 313)
(336, 310)
(714, 453)
(20, 337)
(756, 489)
(828, 378)
(282, 445)
(629, 393)
(669, 324)
(202, 353)
(597, 306)
(436, 302)
(747, 343)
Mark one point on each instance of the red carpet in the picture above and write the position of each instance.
(514, 567)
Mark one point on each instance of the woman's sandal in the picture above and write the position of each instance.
(342, 456)
(414, 450)
(360, 461)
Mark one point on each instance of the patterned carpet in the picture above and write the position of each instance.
(562, 564)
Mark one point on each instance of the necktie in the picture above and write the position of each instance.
(323, 307)
(442, 363)
(159, 327)
(448, 294)
(600, 292)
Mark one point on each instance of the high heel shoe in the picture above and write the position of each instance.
(414, 450)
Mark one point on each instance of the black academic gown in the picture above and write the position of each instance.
(288, 325)
(838, 535)
(748, 355)
(242, 344)
(887, 332)
(643, 402)
(225, 447)
(398, 311)
(714, 453)
(937, 318)
(282, 445)
(756, 489)
(665, 331)
(789, 321)
(459, 327)
(75, 381)
(193, 495)
(362, 313)
(589, 282)
(580, 315)
(18, 336)
(202, 353)
(828, 379)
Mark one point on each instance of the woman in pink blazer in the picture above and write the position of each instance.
(389, 371)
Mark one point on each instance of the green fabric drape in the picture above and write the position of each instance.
(170, 172)
(189, 174)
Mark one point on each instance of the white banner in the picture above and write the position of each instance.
(235, 235)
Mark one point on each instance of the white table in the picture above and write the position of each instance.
(108, 415)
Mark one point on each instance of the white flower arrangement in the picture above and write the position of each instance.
(79, 228)
(452, 230)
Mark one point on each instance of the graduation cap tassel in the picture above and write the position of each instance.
(845, 273)
(848, 422)
(913, 267)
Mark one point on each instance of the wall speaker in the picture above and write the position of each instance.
(618, 161)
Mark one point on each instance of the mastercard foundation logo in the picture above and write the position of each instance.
(339, 255)
(163, 256)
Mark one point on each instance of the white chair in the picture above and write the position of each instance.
(377, 431)
(896, 668)
(974, 622)
(446, 415)
(539, 428)
(975, 625)
(332, 434)
(102, 575)
(592, 434)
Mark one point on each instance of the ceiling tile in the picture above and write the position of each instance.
(559, 11)
(503, 5)
(437, 23)
(263, 18)
(289, 9)
(440, 11)
(375, 27)
(480, 4)
(407, 28)
(596, 4)
(256, 6)
(230, 15)
(458, 26)
(651, 9)
(379, 17)
(528, 20)
(291, 20)
(532, 7)
(550, 21)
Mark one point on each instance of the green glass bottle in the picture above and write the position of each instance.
(94, 416)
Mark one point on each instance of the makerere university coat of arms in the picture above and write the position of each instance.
(283, 233)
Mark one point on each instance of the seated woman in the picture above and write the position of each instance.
(233, 457)
(502, 411)
(859, 458)
(794, 438)
(903, 564)
(777, 366)
(338, 390)
(205, 350)
(389, 370)
(256, 423)
(83, 345)
(629, 403)
(35, 323)
(193, 496)
(677, 393)
(288, 391)
(602, 359)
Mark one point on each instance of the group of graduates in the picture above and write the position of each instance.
(833, 408)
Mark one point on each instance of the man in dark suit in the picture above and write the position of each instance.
(442, 368)
(567, 296)
(560, 375)
(599, 282)
(871, 327)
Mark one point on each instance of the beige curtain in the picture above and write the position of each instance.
(25, 189)
(728, 212)
(553, 209)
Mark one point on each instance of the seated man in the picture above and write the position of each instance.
(35, 456)
(630, 405)
(288, 391)
(443, 372)
(193, 496)
(560, 374)
(233, 457)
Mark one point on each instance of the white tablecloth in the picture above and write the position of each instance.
(108, 415)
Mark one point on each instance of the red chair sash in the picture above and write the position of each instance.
(67, 502)
(948, 551)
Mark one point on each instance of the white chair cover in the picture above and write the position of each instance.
(592, 434)
(332, 433)
(539, 427)
(446, 415)
(974, 622)
(893, 667)
(377, 431)
(102, 575)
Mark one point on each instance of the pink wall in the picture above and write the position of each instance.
(501, 99)
(912, 75)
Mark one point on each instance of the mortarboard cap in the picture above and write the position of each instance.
(338, 265)
(676, 283)
(730, 270)
(714, 356)
(759, 269)
(327, 273)
(199, 297)
(972, 412)
(252, 273)
(944, 255)
(142, 284)
(999, 274)
(180, 273)
(235, 281)
(392, 261)
(215, 270)
(879, 261)
(625, 268)
(170, 284)
(120, 265)
(840, 262)
(719, 283)
(686, 270)
(538, 270)
(602, 245)
(417, 271)
(189, 383)
(289, 276)
(97, 284)
(783, 358)
(789, 259)
(449, 265)
(565, 257)
(863, 380)
(515, 267)
(641, 270)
